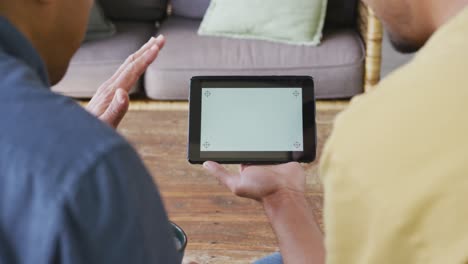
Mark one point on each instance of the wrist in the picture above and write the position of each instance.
(282, 199)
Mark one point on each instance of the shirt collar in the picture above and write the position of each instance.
(15, 44)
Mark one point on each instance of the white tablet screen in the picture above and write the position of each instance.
(251, 119)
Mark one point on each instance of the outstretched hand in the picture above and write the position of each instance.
(111, 101)
(260, 182)
(281, 189)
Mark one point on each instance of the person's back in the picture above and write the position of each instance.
(71, 189)
(395, 168)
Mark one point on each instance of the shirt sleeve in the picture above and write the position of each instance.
(115, 215)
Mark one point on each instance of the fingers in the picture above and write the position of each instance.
(222, 174)
(136, 68)
(105, 103)
(126, 76)
(100, 102)
(159, 41)
(242, 167)
(117, 109)
(152, 43)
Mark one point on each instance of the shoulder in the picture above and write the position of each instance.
(430, 87)
(402, 147)
(16, 72)
(48, 136)
(406, 115)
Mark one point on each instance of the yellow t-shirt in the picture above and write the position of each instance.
(395, 169)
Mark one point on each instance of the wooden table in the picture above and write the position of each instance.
(221, 227)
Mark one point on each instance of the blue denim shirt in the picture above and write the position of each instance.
(71, 189)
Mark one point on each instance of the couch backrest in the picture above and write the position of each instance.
(190, 8)
(135, 10)
(341, 13)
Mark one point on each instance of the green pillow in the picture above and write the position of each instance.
(291, 21)
(98, 25)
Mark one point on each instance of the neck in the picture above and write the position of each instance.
(38, 34)
(27, 30)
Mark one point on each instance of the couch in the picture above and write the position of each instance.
(346, 63)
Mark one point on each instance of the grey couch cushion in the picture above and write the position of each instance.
(136, 10)
(190, 8)
(336, 65)
(96, 61)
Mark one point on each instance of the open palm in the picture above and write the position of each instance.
(259, 182)
(110, 103)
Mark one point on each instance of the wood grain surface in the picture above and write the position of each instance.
(221, 228)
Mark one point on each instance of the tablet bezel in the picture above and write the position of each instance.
(195, 155)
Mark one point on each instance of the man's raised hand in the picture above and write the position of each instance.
(110, 103)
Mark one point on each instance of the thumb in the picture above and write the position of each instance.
(221, 173)
(117, 108)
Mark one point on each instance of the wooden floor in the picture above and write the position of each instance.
(221, 228)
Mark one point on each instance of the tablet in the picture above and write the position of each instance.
(252, 119)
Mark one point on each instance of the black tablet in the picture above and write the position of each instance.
(252, 119)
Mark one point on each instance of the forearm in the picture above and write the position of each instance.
(299, 236)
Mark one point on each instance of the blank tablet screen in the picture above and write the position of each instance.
(268, 119)
(252, 119)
